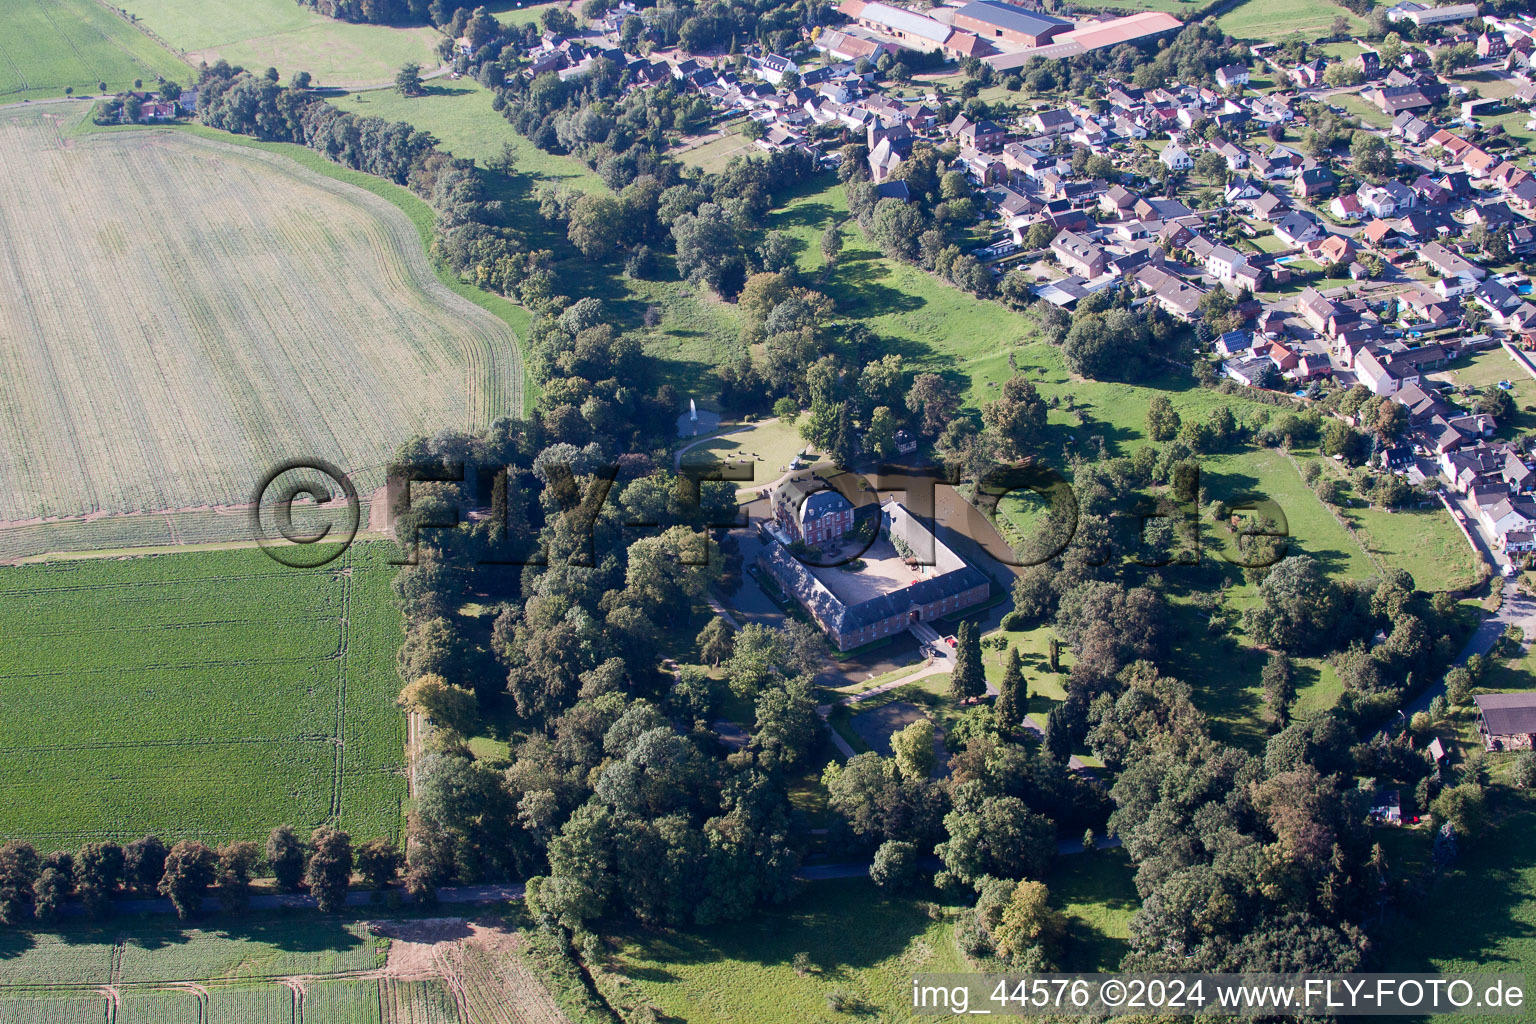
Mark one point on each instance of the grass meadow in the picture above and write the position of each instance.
(211, 695)
(1480, 916)
(288, 36)
(860, 942)
(1273, 20)
(278, 314)
(52, 45)
(459, 113)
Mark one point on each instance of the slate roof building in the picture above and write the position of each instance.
(1506, 721)
(1008, 23)
(947, 587)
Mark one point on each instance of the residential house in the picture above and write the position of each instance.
(1118, 201)
(1298, 228)
(1223, 263)
(1347, 207)
(1235, 156)
(1448, 264)
(1411, 129)
(1175, 158)
(987, 136)
(1053, 122)
(1176, 296)
(1079, 254)
(1232, 76)
(1269, 207)
(1315, 181)
(1308, 75)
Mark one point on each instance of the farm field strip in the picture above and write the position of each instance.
(51, 45)
(238, 346)
(202, 694)
(290, 36)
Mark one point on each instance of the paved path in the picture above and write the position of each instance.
(940, 663)
(943, 662)
(1517, 610)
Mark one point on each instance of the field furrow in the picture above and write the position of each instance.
(198, 695)
(180, 315)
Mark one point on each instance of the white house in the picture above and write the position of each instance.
(1175, 158)
(1223, 263)
(1231, 76)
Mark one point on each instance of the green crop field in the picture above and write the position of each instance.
(55, 1008)
(1272, 20)
(342, 1002)
(285, 35)
(250, 1004)
(212, 695)
(52, 45)
(227, 310)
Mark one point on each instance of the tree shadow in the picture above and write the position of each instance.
(809, 215)
(856, 287)
(844, 925)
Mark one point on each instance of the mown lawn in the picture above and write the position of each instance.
(767, 446)
(859, 941)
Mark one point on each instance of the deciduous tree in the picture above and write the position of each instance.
(329, 870)
(190, 868)
(285, 856)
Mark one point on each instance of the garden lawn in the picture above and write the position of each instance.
(288, 36)
(713, 155)
(768, 446)
(1370, 113)
(1487, 368)
(211, 695)
(52, 45)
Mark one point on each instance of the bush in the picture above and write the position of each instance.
(1523, 772)
(895, 866)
